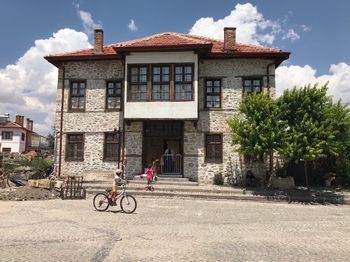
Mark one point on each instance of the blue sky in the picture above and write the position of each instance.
(315, 32)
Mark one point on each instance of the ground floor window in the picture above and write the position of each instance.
(111, 146)
(75, 147)
(6, 149)
(213, 148)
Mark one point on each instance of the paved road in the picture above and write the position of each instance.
(174, 230)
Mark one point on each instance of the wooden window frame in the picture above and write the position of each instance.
(206, 94)
(184, 82)
(115, 95)
(70, 109)
(149, 84)
(213, 160)
(161, 83)
(115, 142)
(7, 132)
(75, 159)
(138, 83)
(252, 79)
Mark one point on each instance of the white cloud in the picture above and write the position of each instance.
(88, 22)
(28, 87)
(305, 28)
(291, 34)
(252, 26)
(338, 78)
(132, 26)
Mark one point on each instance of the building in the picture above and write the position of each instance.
(38, 142)
(15, 137)
(166, 96)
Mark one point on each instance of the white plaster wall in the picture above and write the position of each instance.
(15, 144)
(162, 110)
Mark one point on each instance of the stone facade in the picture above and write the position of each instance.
(95, 121)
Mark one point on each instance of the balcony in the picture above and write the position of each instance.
(166, 87)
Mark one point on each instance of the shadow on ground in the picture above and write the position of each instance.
(302, 195)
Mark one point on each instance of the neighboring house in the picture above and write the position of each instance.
(38, 142)
(166, 93)
(15, 137)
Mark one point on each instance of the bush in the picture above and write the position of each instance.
(218, 179)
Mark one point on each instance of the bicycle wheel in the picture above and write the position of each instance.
(101, 202)
(128, 204)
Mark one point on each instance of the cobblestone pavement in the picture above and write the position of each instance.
(174, 230)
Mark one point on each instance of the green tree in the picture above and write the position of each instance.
(256, 128)
(51, 139)
(314, 128)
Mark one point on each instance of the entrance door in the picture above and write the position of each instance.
(163, 140)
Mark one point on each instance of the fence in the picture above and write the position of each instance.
(171, 164)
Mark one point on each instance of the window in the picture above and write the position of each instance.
(77, 96)
(111, 146)
(7, 135)
(213, 148)
(138, 83)
(213, 93)
(114, 95)
(75, 147)
(23, 136)
(6, 149)
(183, 82)
(252, 86)
(160, 83)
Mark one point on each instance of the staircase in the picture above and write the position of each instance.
(172, 186)
(176, 186)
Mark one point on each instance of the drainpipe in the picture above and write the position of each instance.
(268, 91)
(61, 121)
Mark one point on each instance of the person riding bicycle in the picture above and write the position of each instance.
(118, 180)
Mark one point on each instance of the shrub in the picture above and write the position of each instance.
(218, 179)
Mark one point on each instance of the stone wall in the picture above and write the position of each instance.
(230, 71)
(95, 121)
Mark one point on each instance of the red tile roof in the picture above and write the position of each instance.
(9, 124)
(173, 41)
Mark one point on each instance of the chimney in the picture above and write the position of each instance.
(229, 38)
(98, 41)
(29, 124)
(20, 120)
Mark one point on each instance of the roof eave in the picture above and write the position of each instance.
(162, 48)
(57, 60)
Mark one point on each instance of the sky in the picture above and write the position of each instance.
(315, 32)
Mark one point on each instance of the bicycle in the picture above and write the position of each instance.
(103, 200)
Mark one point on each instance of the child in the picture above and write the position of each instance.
(117, 180)
(150, 175)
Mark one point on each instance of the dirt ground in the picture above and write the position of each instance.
(27, 193)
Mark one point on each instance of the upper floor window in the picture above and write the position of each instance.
(114, 95)
(213, 93)
(75, 147)
(252, 85)
(7, 135)
(183, 82)
(77, 96)
(138, 83)
(213, 148)
(160, 83)
(111, 146)
(165, 82)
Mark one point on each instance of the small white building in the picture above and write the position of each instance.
(15, 137)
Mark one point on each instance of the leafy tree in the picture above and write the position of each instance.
(256, 129)
(51, 139)
(315, 126)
